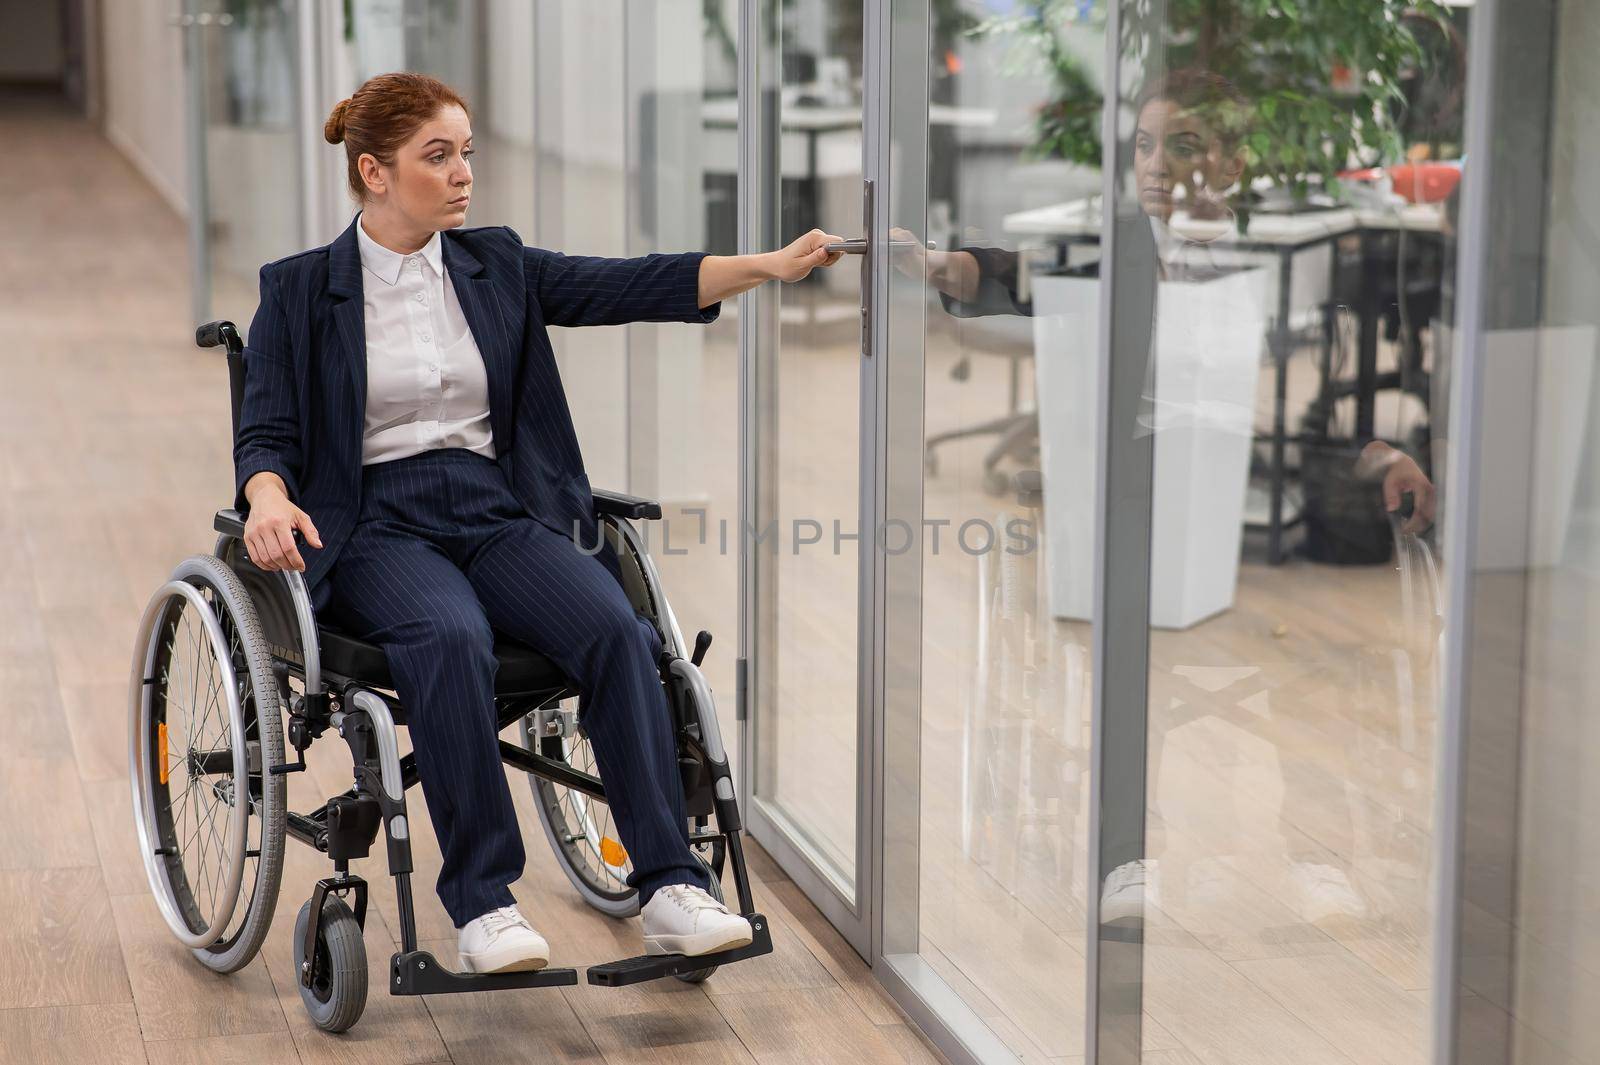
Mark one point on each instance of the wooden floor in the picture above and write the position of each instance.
(113, 432)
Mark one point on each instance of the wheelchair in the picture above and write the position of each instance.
(231, 670)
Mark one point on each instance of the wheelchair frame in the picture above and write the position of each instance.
(346, 826)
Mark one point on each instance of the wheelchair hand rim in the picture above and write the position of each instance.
(140, 764)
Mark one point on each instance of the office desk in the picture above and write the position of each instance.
(1283, 236)
(815, 143)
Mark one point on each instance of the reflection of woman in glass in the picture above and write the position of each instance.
(1187, 156)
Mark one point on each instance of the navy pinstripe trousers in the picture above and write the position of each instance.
(441, 552)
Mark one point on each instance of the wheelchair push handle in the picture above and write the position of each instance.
(225, 334)
(217, 334)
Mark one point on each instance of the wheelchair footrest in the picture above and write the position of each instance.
(655, 966)
(419, 973)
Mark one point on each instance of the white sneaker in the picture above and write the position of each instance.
(501, 941)
(1130, 887)
(683, 919)
(1325, 891)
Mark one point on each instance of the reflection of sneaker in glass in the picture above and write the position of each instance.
(1325, 891)
(1130, 887)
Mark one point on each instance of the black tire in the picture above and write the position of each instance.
(338, 992)
(250, 672)
(699, 975)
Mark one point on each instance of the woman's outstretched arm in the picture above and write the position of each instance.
(580, 290)
(722, 276)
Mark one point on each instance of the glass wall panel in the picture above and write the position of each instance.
(1003, 736)
(1525, 982)
(683, 380)
(248, 145)
(1556, 986)
(1271, 610)
(481, 48)
(805, 525)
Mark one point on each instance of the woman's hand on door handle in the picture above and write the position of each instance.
(722, 276)
(804, 255)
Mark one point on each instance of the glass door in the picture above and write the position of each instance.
(986, 688)
(245, 152)
(1281, 235)
(807, 388)
(1166, 403)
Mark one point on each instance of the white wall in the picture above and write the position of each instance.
(144, 93)
(30, 40)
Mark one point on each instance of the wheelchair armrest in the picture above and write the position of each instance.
(282, 602)
(622, 505)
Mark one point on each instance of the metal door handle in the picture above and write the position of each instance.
(863, 246)
(858, 245)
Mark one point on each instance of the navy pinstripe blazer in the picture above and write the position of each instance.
(306, 368)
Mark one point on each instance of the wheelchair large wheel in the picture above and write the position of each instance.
(580, 828)
(204, 727)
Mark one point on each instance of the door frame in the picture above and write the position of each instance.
(851, 912)
(882, 925)
(896, 101)
(898, 40)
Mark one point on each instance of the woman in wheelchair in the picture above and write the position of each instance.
(404, 443)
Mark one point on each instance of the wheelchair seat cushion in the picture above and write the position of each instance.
(522, 670)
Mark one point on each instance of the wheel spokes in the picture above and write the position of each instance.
(193, 684)
(577, 811)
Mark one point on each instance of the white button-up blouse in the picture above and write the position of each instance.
(426, 385)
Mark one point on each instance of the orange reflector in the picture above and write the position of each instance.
(612, 851)
(161, 743)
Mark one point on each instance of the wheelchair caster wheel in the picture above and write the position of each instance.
(338, 992)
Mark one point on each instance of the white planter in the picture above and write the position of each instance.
(1210, 338)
